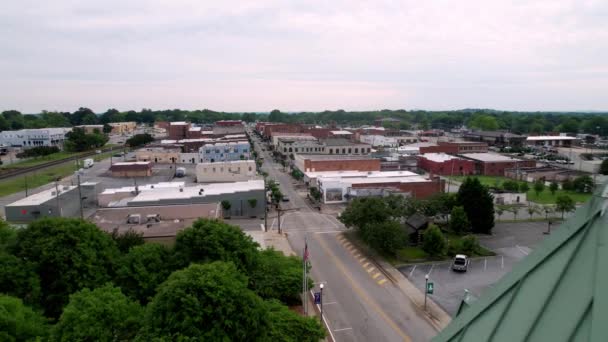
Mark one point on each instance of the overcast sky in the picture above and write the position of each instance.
(257, 55)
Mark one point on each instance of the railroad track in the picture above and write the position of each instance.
(25, 170)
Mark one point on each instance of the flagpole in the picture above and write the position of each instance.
(304, 282)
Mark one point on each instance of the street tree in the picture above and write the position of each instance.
(386, 237)
(553, 187)
(564, 203)
(127, 240)
(68, 255)
(78, 140)
(213, 240)
(513, 210)
(478, 203)
(532, 209)
(287, 325)
(8, 236)
(278, 276)
(583, 184)
(524, 187)
(539, 186)
(367, 210)
(103, 314)
(459, 223)
(18, 278)
(510, 185)
(19, 322)
(208, 302)
(433, 241)
(139, 140)
(499, 210)
(140, 271)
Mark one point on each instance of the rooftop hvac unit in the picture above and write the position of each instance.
(134, 219)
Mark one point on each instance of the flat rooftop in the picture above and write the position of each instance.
(193, 191)
(354, 174)
(132, 163)
(341, 132)
(177, 123)
(489, 157)
(375, 180)
(439, 157)
(41, 197)
(550, 137)
(320, 157)
(340, 142)
(162, 185)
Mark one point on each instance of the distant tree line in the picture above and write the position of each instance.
(483, 119)
(67, 280)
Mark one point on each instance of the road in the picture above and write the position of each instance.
(360, 303)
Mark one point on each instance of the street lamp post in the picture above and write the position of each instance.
(426, 284)
(321, 300)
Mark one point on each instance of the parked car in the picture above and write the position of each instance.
(87, 163)
(460, 263)
(285, 199)
(180, 172)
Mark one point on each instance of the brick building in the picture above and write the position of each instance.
(178, 130)
(131, 169)
(493, 164)
(455, 147)
(445, 164)
(318, 163)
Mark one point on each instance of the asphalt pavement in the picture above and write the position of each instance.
(360, 304)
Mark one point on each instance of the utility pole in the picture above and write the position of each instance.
(25, 179)
(80, 197)
(57, 197)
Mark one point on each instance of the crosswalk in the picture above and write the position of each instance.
(368, 266)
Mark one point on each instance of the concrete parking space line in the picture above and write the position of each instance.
(485, 263)
(343, 329)
(502, 261)
(521, 250)
(412, 271)
(330, 303)
(376, 275)
(431, 270)
(382, 281)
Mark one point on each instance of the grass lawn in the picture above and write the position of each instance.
(544, 197)
(35, 180)
(39, 160)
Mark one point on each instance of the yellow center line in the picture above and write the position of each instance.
(362, 293)
(382, 281)
(376, 275)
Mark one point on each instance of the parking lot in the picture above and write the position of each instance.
(510, 241)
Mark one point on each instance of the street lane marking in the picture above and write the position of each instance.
(369, 270)
(366, 264)
(324, 320)
(330, 232)
(357, 255)
(502, 261)
(521, 250)
(361, 259)
(361, 293)
(376, 275)
(343, 329)
(380, 282)
(485, 263)
(329, 303)
(262, 226)
(412, 271)
(431, 270)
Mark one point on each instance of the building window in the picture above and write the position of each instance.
(369, 150)
(356, 150)
(349, 151)
(343, 151)
(285, 149)
(213, 170)
(331, 151)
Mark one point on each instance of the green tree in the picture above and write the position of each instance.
(564, 203)
(286, 325)
(532, 209)
(510, 185)
(211, 240)
(524, 187)
(583, 184)
(130, 238)
(78, 140)
(604, 167)
(68, 255)
(470, 245)
(459, 223)
(539, 186)
(513, 210)
(139, 140)
(19, 322)
(553, 187)
(226, 205)
(484, 123)
(433, 241)
(278, 276)
(14, 119)
(18, 278)
(8, 235)
(104, 314)
(252, 202)
(567, 185)
(4, 124)
(386, 237)
(209, 302)
(478, 203)
(364, 211)
(141, 270)
(500, 209)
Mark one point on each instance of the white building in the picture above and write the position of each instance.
(379, 140)
(552, 140)
(27, 138)
(228, 171)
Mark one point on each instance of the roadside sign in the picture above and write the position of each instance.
(430, 287)
(317, 297)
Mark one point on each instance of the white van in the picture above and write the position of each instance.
(87, 163)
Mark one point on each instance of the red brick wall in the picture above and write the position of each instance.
(447, 168)
(498, 169)
(177, 132)
(319, 133)
(455, 148)
(193, 134)
(342, 165)
(285, 128)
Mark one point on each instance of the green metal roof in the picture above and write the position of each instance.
(557, 293)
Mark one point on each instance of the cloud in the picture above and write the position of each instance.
(304, 55)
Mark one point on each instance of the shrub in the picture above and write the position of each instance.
(433, 241)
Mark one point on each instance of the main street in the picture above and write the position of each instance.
(360, 303)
